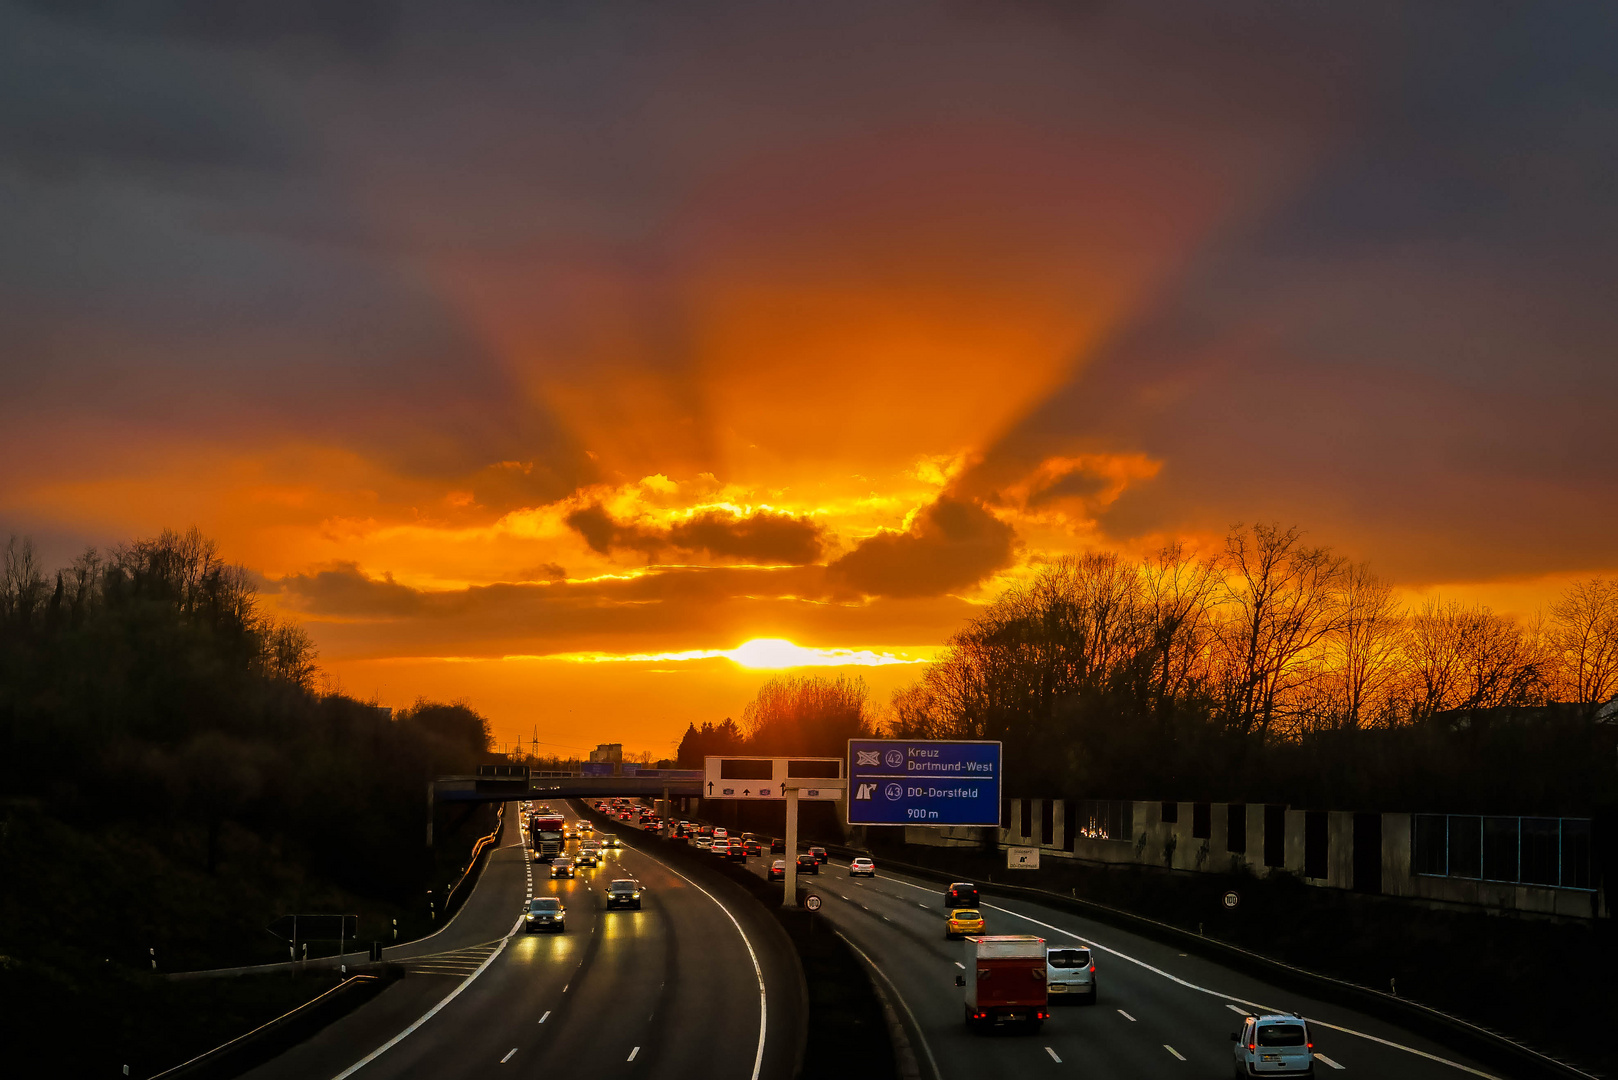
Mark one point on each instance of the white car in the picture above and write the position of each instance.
(1274, 1045)
(1070, 975)
(862, 865)
(720, 848)
(703, 843)
(721, 834)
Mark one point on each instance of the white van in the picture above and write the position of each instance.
(1070, 975)
(1275, 1045)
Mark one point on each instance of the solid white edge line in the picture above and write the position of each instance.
(921, 1036)
(758, 972)
(432, 1012)
(1250, 1004)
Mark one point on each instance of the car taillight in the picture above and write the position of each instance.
(1092, 969)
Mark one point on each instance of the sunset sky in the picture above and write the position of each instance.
(545, 354)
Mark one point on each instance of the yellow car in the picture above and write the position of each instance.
(963, 921)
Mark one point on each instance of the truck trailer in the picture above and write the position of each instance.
(1004, 981)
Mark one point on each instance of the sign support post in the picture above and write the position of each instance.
(789, 895)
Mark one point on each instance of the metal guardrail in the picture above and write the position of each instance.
(482, 845)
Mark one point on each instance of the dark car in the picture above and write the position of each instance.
(819, 853)
(739, 852)
(752, 847)
(562, 866)
(625, 892)
(960, 894)
(778, 870)
(545, 913)
(778, 846)
(808, 864)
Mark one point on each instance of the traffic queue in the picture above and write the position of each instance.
(1008, 982)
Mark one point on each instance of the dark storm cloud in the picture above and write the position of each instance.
(358, 26)
(953, 545)
(1412, 354)
(758, 537)
(665, 610)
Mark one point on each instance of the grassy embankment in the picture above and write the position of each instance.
(81, 908)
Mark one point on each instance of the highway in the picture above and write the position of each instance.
(1161, 1013)
(699, 983)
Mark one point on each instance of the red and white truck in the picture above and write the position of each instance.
(1005, 981)
(545, 834)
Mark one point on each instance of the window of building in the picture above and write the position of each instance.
(1047, 822)
(1103, 819)
(1201, 821)
(1025, 812)
(1070, 823)
(1171, 813)
(1553, 852)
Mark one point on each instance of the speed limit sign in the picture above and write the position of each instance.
(1230, 899)
(812, 902)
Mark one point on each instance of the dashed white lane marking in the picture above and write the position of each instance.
(1238, 1010)
(1126, 1016)
(1324, 1060)
(507, 1058)
(1252, 1004)
(963, 968)
(1052, 1053)
(546, 1017)
(632, 1054)
(564, 989)
(1173, 1051)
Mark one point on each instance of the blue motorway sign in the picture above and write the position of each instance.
(923, 782)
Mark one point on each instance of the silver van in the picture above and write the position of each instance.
(1070, 975)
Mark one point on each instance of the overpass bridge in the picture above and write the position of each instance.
(505, 783)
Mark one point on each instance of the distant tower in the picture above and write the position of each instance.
(533, 744)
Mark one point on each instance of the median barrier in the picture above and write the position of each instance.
(1477, 1041)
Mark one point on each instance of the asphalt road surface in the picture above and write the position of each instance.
(1160, 1014)
(700, 983)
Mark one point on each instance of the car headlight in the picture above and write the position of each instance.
(635, 896)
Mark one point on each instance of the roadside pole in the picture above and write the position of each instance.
(790, 788)
(789, 896)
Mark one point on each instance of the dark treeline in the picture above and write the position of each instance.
(792, 714)
(1280, 672)
(146, 685)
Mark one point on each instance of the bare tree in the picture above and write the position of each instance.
(1284, 604)
(1179, 593)
(1366, 652)
(1583, 636)
(1472, 658)
(22, 585)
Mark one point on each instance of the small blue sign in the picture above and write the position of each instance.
(595, 768)
(923, 782)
